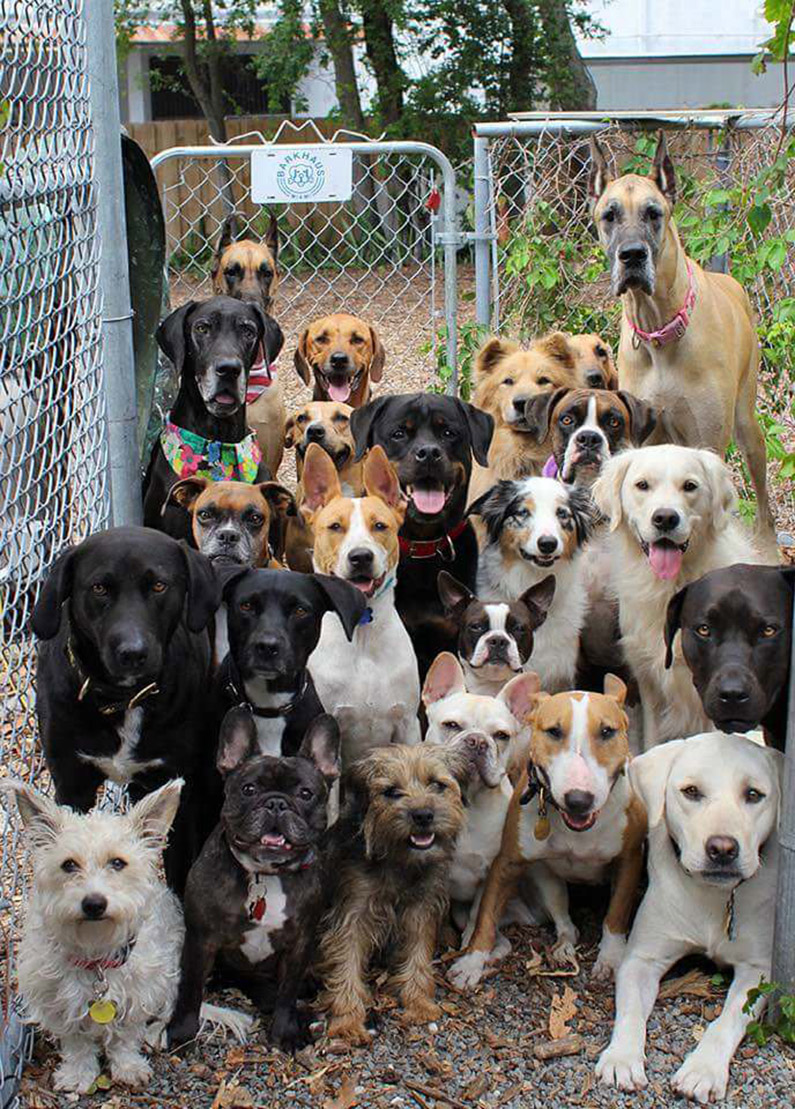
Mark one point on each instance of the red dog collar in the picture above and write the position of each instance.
(108, 962)
(676, 327)
(443, 546)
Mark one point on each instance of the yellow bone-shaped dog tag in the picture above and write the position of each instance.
(102, 1011)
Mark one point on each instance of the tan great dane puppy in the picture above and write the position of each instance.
(688, 344)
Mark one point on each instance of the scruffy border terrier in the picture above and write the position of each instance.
(394, 845)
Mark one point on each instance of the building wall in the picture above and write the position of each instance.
(628, 84)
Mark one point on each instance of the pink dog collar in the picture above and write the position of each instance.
(676, 327)
(262, 376)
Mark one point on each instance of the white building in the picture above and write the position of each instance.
(655, 54)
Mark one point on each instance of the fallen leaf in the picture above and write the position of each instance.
(561, 1011)
(693, 984)
(232, 1096)
(345, 1097)
(236, 1057)
(555, 1049)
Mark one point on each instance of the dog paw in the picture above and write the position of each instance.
(182, 1030)
(420, 1010)
(701, 1079)
(289, 1033)
(611, 954)
(133, 1070)
(563, 953)
(350, 1029)
(76, 1075)
(622, 1069)
(466, 972)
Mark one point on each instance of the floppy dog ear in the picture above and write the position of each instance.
(719, 476)
(520, 695)
(229, 234)
(599, 175)
(344, 599)
(228, 576)
(606, 490)
(380, 478)
(186, 492)
(320, 480)
(41, 816)
(491, 354)
(379, 356)
(583, 510)
(300, 359)
(455, 597)
(363, 425)
(444, 678)
(321, 745)
(662, 171)
(538, 599)
(46, 618)
(538, 411)
(481, 429)
(281, 500)
(272, 237)
(151, 818)
(642, 416)
(494, 505)
(648, 776)
(289, 431)
(272, 336)
(237, 740)
(204, 589)
(172, 336)
(673, 618)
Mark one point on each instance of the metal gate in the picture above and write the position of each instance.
(53, 455)
(388, 253)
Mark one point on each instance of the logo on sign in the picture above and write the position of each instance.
(301, 175)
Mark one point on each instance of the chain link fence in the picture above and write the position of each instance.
(387, 254)
(52, 429)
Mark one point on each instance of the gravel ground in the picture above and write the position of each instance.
(483, 1054)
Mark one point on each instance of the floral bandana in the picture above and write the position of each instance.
(188, 454)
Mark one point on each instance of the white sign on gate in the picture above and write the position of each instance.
(290, 174)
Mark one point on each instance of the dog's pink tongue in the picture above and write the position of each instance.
(665, 560)
(272, 840)
(339, 393)
(429, 501)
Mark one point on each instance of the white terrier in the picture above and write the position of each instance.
(99, 956)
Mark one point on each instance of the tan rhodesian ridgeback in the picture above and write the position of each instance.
(688, 344)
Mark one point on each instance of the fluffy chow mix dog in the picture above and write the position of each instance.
(392, 851)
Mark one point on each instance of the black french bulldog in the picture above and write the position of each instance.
(431, 440)
(736, 627)
(213, 345)
(255, 895)
(123, 672)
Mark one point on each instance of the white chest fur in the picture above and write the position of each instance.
(270, 729)
(257, 941)
(123, 766)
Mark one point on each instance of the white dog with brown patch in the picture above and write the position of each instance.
(572, 816)
(671, 521)
(370, 685)
(712, 804)
(490, 731)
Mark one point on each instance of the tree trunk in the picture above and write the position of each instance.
(520, 94)
(382, 53)
(571, 86)
(338, 39)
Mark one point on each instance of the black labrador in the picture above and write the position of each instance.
(213, 345)
(736, 628)
(431, 440)
(123, 672)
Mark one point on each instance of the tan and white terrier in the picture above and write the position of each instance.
(573, 817)
(371, 684)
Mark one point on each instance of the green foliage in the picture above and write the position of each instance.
(286, 54)
(780, 14)
(783, 1024)
(471, 337)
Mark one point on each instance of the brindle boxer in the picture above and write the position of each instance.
(688, 344)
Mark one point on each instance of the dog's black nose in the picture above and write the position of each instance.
(590, 440)
(94, 906)
(230, 367)
(722, 849)
(315, 433)
(132, 653)
(497, 645)
(276, 804)
(266, 648)
(228, 537)
(632, 254)
(731, 694)
(519, 403)
(578, 802)
(339, 360)
(547, 544)
(665, 519)
(595, 381)
(423, 818)
(360, 558)
(428, 452)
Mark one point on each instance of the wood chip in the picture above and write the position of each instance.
(693, 984)
(555, 1049)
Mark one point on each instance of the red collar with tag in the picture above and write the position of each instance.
(442, 546)
(108, 962)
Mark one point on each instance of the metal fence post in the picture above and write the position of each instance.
(118, 359)
(482, 236)
(784, 936)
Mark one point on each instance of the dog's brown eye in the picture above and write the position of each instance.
(643, 485)
(205, 515)
(249, 789)
(391, 793)
(99, 589)
(754, 796)
(543, 381)
(117, 864)
(302, 419)
(606, 732)
(256, 520)
(453, 725)
(769, 630)
(70, 866)
(299, 612)
(440, 787)
(609, 216)
(245, 606)
(507, 381)
(566, 420)
(305, 794)
(554, 732)
(614, 422)
(600, 352)
(690, 486)
(357, 340)
(379, 525)
(703, 631)
(502, 737)
(335, 526)
(159, 587)
(692, 793)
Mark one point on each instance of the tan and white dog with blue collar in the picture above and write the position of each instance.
(370, 685)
